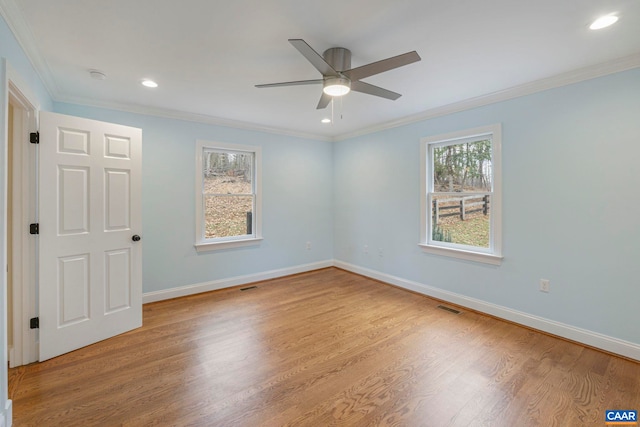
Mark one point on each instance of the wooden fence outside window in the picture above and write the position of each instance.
(460, 206)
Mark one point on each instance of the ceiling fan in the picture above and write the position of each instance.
(338, 78)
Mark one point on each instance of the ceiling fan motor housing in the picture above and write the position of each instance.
(339, 58)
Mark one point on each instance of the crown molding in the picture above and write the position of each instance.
(189, 117)
(18, 26)
(559, 80)
(12, 15)
(21, 31)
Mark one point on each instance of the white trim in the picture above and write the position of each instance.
(496, 209)
(4, 101)
(6, 417)
(25, 91)
(25, 38)
(25, 346)
(462, 136)
(492, 254)
(584, 336)
(564, 79)
(485, 258)
(189, 117)
(203, 244)
(558, 80)
(212, 246)
(21, 31)
(231, 281)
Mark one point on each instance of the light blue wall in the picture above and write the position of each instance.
(297, 200)
(571, 170)
(570, 177)
(12, 52)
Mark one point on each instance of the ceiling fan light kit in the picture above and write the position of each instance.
(337, 86)
(338, 78)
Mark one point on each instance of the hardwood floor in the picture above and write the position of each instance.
(324, 348)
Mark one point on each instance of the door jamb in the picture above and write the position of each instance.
(24, 212)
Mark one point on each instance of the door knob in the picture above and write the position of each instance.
(135, 238)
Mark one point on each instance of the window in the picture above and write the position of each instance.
(228, 202)
(461, 207)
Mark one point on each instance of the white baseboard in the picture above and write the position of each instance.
(6, 417)
(231, 281)
(590, 338)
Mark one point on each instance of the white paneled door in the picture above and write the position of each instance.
(90, 277)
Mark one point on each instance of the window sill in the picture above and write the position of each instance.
(214, 246)
(460, 254)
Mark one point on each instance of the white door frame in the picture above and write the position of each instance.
(24, 212)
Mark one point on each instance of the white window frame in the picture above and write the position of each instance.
(203, 244)
(491, 255)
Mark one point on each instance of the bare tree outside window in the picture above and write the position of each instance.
(461, 198)
(228, 193)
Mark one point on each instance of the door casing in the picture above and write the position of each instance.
(23, 211)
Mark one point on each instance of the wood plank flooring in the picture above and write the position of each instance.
(325, 348)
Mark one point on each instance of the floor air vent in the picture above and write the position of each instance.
(248, 288)
(449, 309)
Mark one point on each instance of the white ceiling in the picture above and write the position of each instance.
(207, 55)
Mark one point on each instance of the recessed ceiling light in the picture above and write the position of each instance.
(97, 75)
(603, 22)
(325, 120)
(149, 83)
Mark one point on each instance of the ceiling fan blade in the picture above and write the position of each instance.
(382, 66)
(324, 101)
(370, 89)
(313, 57)
(297, 83)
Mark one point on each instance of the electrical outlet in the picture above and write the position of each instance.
(366, 249)
(308, 246)
(380, 252)
(544, 285)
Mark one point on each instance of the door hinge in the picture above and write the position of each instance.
(34, 228)
(34, 137)
(34, 323)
